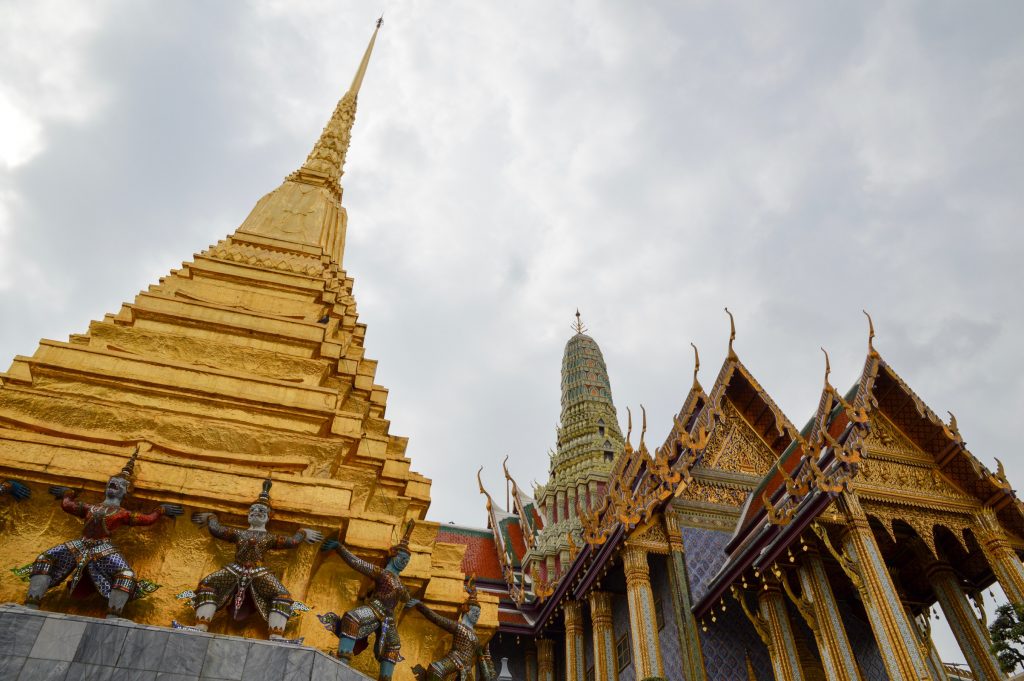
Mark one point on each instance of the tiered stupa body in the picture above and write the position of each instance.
(589, 442)
(246, 361)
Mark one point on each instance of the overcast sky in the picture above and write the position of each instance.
(647, 163)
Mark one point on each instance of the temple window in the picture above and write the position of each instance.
(622, 651)
(608, 453)
(600, 427)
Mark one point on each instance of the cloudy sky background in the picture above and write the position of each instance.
(511, 162)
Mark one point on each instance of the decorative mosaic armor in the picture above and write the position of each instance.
(247, 576)
(466, 651)
(94, 554)
(376, 616)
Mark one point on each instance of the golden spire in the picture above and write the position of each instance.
(578, 326)
(326, 161)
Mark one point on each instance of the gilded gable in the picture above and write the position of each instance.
(735, 447)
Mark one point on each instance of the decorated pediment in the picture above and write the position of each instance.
(885, 438)
(735, 446)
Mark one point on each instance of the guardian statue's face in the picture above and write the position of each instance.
(400, 560)
(117, 489)
(473, 614)
(258, 516)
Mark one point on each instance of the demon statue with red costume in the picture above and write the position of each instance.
(94, 555)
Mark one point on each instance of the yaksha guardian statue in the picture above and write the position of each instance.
(377, 615)
(466, 650)
(247, 582)
(94, 555)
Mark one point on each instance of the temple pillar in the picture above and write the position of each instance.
(643, 625)
(931, 655)
(893, 630)
(825, 620)
(560, 505)
(549, 564)
(968, 630)
(570, 503)
(531, 663)
(682, 606)
(545, 660)
(592, 487)
(782, 647)
(1001, 557)
(606, 663)
(575, 664)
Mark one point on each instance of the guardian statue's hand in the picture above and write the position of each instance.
(330, 545)
(312, 536)
(201, 519)
(60, 491)
(412, 603)
(172, 510)
(18, 490)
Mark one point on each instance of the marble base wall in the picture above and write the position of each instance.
(47, 646)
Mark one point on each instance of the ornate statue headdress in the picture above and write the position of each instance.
(264, 498)
(471, 601)
(403, 544)
(128, 470)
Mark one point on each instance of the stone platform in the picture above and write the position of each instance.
(47, 646)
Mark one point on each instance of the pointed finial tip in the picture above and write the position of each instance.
(380, 20)
(871, 331)
(732, 329)
(578, 326)
(696, 361)
(828, 365)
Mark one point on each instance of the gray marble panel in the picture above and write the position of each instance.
(225, 658)
(324, 668)
(44, 670)
(132, 675)
(346, 673)
(143, 649)
(265, 662)
(299, 665)
(101, 643)
(58, 639)
(18, 633)
(170, 676)
(80, 671)
(10, 665)
(184, 654)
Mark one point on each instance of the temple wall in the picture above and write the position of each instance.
(668, 634)
(862, 640)
(727, 641)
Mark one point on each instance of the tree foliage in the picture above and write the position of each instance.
(1007, 632)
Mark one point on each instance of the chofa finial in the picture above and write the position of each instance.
(696, 363)
(732, 333)
(828, 366)
(871, 333)
(380, 20)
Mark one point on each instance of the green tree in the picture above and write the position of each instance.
(1007, 632)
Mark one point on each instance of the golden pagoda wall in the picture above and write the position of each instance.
(222, 373)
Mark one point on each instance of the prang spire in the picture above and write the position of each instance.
(326, 161)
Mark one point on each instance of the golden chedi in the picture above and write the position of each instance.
(246, 362)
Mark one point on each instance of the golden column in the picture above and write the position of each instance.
(968, 630)
(1000, 555)
(893, 630)
(575, 665)
(782, 647)
(829, 632)
(643, 624)
(545, 660)
(606, 665)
